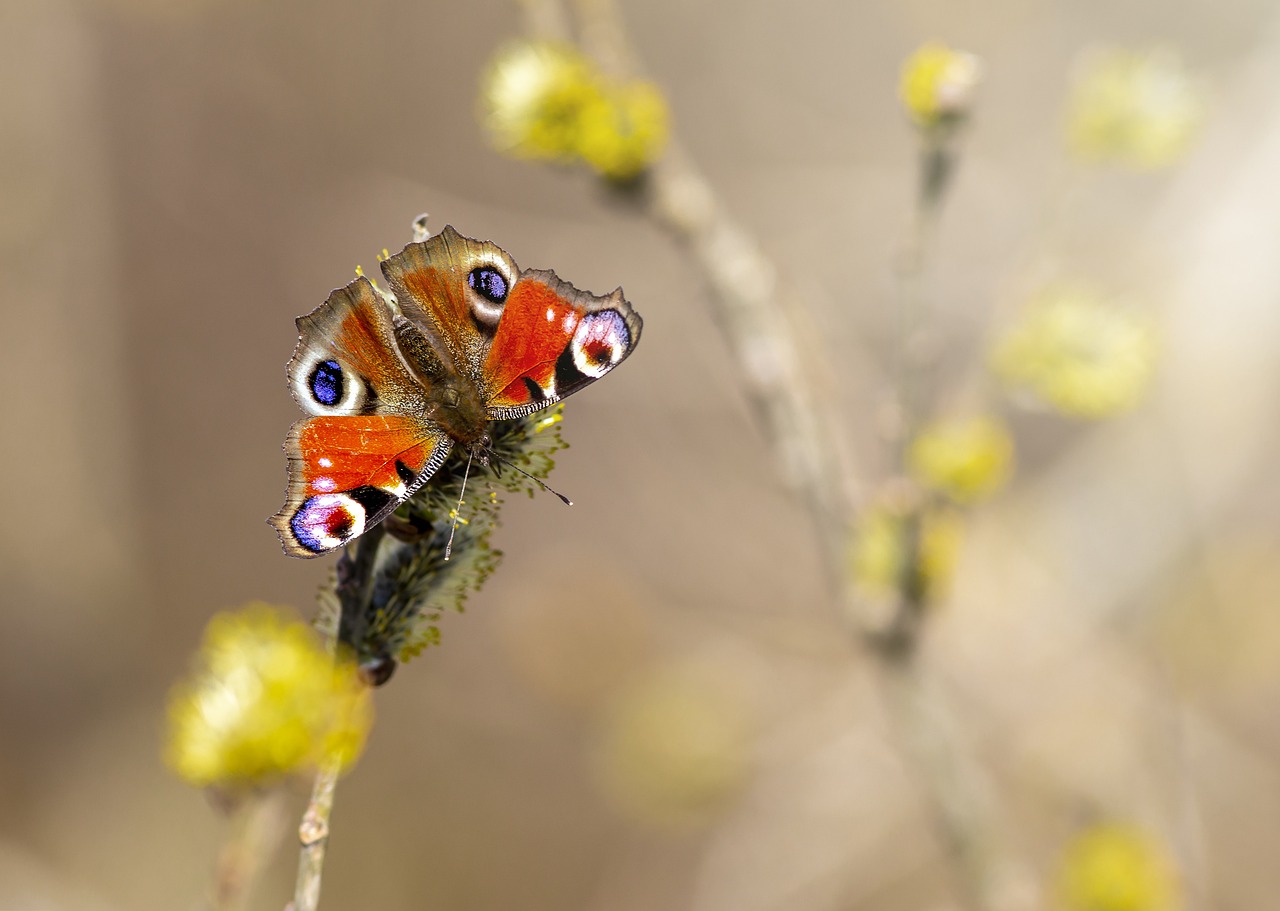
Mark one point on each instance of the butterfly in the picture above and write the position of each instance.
(394, 381)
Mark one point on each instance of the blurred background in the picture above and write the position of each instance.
(655, 702)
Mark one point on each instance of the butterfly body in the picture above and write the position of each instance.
(394, 381)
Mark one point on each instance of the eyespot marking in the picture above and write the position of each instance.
(489, 283)
(326, 383)
(327, 521)
(599, 343)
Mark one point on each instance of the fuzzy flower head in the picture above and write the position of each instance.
(965, 458)
(1078, 353)
(883, 540)
(534, 95)
(1115, 867)
(264, 701)
(938, 84)
(1140, 109)
(625, 131)
(547, 101)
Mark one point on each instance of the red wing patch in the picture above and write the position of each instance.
(553, 340)
(537, 326)
(348, 472)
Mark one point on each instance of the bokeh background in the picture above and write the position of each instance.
(655, 702)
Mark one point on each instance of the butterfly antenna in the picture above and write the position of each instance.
(448, 548)
(563, 499)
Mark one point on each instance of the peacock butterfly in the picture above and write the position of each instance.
(395, 380)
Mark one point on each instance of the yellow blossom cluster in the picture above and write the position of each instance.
(1117, 867)
(1136, 108)
(1078, 353)
(938, 83)
(547, 101)
(265, 700)
(882, 545)
(964, 458)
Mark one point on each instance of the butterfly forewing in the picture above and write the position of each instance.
(453, 288)
(346, 361)
(369, 445)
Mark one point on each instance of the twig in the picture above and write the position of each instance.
(957, 792)
(353, 580)
(257, 823)
(313, 833)
(798, 425)
(746, 292)
(546, 19)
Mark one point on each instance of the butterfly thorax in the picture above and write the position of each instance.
(451, 399)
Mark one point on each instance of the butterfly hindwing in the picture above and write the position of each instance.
(348, 472)
(553, 340)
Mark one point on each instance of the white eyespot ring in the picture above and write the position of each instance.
(317, 522)
(484, 309)
(324, 385)
(599, 343)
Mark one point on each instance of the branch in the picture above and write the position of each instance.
(313, 833)
(798, 423)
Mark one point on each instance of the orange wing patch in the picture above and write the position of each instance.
(343, 453)
(536, 327)
(348, 472)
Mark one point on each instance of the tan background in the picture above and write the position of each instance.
(179, 180)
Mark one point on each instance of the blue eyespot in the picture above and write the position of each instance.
(488, 283)
(326, 382)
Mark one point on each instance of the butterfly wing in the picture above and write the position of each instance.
(453, 288)
(552, 340)
(367, 448)
(525, 339)
(349, 472)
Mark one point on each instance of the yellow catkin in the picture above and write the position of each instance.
(264, 701)
(965, 458)
(1117, 867)
(937, 84)
(880, 548)
(1140, 109)
(1078, 353)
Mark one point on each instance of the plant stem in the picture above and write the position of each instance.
(352, 584)
(799, 424)
(313, 833)
(955, 788)
(257, 823)
(546, 19)
(746, 292)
